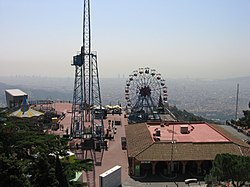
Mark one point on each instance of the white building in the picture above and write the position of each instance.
(14, 98)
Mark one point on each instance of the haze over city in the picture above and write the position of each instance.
(195, 39)
(165, 102)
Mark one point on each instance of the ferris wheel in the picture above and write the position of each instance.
(145, 93)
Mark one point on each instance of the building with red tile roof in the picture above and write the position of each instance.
(182, 148)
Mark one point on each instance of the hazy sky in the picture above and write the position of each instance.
(179, 38)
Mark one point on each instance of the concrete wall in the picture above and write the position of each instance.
(111, 178)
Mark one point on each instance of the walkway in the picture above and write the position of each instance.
(115, 155)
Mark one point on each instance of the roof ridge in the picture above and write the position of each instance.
(224, 135)
(147, 147)
(210, 125)
(140, 138)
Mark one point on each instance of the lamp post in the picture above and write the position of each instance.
(172, 151)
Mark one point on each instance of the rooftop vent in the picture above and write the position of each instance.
(157, 132)
(184, 129)
(157, 139)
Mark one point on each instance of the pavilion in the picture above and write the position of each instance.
(177, 147)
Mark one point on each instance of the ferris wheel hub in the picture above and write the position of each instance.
(145, 91)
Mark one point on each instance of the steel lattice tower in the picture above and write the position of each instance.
(86, 58)
(77, 119)
(87, 95)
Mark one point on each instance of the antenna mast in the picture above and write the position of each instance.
(237, 102)
(85, 51)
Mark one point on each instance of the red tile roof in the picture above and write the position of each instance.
(161, 151)
(141, 145)
(138, 139)
(197, 132)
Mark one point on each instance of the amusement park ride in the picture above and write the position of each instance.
(146, 96)
(145, 92)
(87, 127)
(87, 121)
(86, 96)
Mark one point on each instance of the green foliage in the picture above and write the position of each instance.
(60, 173)
(245, 120)
(30, 157)
(11, 172)
(233, 168)
(183, 115)
(79, 165)
(43, 172)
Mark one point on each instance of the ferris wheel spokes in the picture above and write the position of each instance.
(143, 91)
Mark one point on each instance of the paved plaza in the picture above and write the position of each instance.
(115, 155)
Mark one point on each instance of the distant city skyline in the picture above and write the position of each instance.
(180, 39)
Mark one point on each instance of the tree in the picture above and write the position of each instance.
(30, 157)
(243, 121)
(227, 167)
(60, 173)
(11, 172)
(42, 172)
(72, 166)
